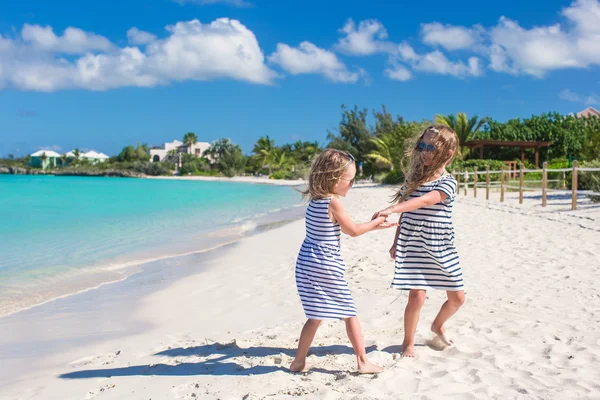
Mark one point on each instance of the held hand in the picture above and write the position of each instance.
(383, 213)
(385, 224)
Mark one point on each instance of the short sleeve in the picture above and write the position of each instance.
(448, 186)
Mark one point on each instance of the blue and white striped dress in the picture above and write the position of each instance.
(320, 270)
(426, 257)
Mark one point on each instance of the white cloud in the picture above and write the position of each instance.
(398, 72)
(137, 37)
(365, 40)
(310, 59)
(72, 41)
(234, 3)
(538, 50)
(370, 37)
(436, 62)
(192, 51)
(452, 37)
(54, 147)
(568, 95)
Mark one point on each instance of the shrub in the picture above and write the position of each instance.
(281, 174)
(394, 177)
(590, 180)
(151, 168)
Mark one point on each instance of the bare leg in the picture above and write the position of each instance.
(354, 331)
(306, 337)
(449, 308)
(416, 299)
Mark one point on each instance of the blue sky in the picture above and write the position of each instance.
(102, 75)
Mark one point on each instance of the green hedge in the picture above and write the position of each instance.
(394, 177)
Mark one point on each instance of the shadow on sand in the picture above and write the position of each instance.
(219, 363)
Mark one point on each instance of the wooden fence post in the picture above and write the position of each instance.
(564, 181)
(522, 178)
(544, 183)
(458, 182)
(475, 182)
(466, 181)
(574, 186)
(502, 184)
(487, 184)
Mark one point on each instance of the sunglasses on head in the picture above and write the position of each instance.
(422, 146)
(351, 157)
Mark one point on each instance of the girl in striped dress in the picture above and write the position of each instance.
(423, 247)
(320, 269)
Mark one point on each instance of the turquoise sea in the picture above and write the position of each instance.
(60, 235)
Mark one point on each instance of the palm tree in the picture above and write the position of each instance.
(263, 150)
(43, 157)
(382, 155)
(465, 128)
(65, 159)
(280, 160)
(77, 154)
(190, 139)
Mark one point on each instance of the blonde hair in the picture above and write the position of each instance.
(325, 172)
(416, 173)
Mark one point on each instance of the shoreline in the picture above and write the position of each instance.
(236, 179)
(91, 278)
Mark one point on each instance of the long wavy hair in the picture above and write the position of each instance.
(325, 172)
(416, 172)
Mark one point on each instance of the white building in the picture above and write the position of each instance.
(94, 157)
(160, 153)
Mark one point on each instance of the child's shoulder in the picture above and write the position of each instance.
(448, 178)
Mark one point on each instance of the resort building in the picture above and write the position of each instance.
(589, 112)
(45, 158)
(160, 153)
(93, 156)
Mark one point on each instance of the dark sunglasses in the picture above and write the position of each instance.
(421, 146)
(351, 181)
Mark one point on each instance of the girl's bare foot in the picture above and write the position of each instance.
(368, 367)
(300, 366)
(408, 351)
(440, 333)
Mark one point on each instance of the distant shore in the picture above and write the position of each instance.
(70, 172)
(241, 179)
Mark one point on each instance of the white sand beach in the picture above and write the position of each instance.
(530, 327)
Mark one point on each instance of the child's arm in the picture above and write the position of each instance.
(393, 248)
(348, 226)
(438, 195)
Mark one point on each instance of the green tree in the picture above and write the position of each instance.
(142, 153)
(77, 154)
(190, 139)
(354, 135)
(227, 156)
(382, 155)
(11, 157)
(128, 154)
(591, 148)
(305, 151)
(465, 128)
(281, 160)
(263, 150)
(43, 157)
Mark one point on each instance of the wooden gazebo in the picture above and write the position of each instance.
(480, 144)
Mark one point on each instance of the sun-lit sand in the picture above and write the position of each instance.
(529, 328)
